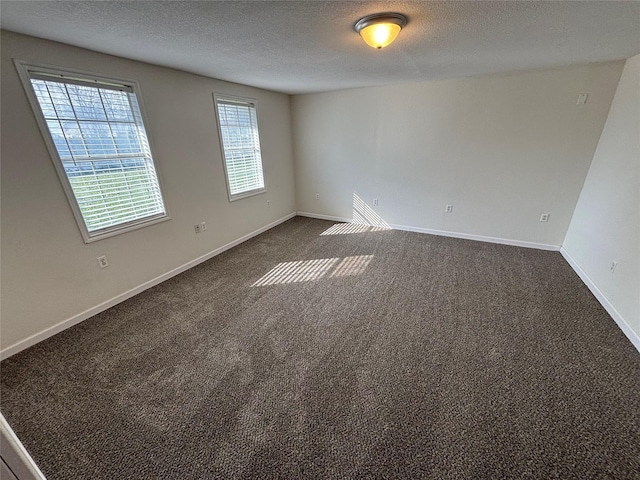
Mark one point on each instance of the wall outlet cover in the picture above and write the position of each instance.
(102, 261)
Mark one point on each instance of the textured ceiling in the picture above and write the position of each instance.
(310, 46)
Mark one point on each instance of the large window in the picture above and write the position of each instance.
(97, 140)
(238, 128)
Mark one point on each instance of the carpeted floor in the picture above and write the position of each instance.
(348, 354)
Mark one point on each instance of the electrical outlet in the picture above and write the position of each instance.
(203, 226)
(613, 266)
(544, 217)
(197, 227)
(448, 209)
(375, 202)
(268, 203)
(102, 261)
(317, 196)
(582, 98)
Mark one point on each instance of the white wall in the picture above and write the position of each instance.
(502, 149)
(49, 274)
(606, 223)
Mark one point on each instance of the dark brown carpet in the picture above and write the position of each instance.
(379, 354)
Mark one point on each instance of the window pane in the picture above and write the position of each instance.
(59, 139)
(117, 105)
(97, 138)
(74, 138)
(126, 139)
(86, 102)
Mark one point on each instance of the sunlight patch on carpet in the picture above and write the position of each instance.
(350, 266)
(300, 271)
(347, 228)
(308, 270)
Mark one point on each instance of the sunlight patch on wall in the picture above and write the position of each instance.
(363, 214)
(365, 219)
(308, 270)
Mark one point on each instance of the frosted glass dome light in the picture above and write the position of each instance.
(380, 29)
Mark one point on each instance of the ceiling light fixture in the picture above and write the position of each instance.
(380, 29)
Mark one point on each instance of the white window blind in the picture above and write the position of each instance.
(240, 139)
(98, 133)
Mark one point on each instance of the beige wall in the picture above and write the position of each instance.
(501, 149)
(606, 223)
(48, 273)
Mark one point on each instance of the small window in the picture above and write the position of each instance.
(97, 140)
(238, 129)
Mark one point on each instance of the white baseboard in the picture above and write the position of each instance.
(49, 332)
(444, 233)
(15, 456)
(479, 238)
(324, 217)
(604, 301)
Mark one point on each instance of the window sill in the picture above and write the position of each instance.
(88, 238)
(240, 196)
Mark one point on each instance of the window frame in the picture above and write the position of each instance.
(238, 99)
(25, 69)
